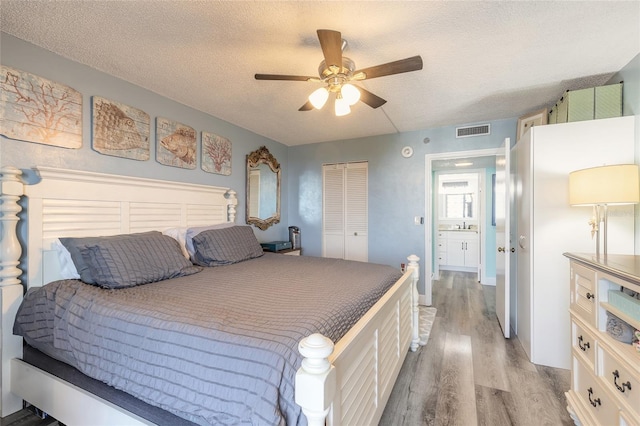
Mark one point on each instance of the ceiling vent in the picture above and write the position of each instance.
(479, 130)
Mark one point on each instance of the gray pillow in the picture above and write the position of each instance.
(75, 244)
(120, 263)
(216, 247)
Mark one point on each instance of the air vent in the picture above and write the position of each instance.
(466, 132)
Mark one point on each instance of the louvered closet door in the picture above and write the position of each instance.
(345, 214)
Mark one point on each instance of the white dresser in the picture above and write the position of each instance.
(605, 373)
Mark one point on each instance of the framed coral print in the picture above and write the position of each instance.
(175, 144)
(216, 154)
(537, 118)
(35, 109)
(120, 130)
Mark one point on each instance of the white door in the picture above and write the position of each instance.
(356, 239)
(503, 246)
(345, 211)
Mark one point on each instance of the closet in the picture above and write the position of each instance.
(345, 211)
(547, 227)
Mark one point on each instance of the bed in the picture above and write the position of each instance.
(337, 384)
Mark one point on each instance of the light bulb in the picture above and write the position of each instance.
(319, 97)
(350, 93)
(342, 106)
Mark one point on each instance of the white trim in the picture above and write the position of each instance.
(429, 230)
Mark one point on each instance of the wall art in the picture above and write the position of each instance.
(38, 110)
(175, 144)
(537, 118)
(216, 154)
(120, 130)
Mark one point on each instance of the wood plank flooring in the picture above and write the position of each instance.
(469, 374)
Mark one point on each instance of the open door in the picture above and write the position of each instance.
(503, 246)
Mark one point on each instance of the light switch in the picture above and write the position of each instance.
(418, 220)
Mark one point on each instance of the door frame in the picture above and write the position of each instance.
(429, 232)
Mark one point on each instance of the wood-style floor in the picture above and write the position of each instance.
(469, 374)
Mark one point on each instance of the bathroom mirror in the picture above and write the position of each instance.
(263, 189)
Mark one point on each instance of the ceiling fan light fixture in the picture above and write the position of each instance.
(342, 106)
(350, 93)
(319, 97)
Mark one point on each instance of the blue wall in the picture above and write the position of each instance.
(19, 54)
(396, 184)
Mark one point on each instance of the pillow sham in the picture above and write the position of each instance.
(180, 235)
(192, 232)
(73, 245)
(121, 263)
(216, 247)
(68, 270)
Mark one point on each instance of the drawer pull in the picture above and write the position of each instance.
(616, 376)
(585, 346)
(594, 402)
(590, 296)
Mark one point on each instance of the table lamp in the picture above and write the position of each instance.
(601, 187)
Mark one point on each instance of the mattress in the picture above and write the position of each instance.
(217, 347)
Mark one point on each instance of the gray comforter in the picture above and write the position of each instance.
(217, 347)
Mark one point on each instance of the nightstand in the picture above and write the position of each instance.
(290, 252)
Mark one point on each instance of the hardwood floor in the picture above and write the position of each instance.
(469, 374)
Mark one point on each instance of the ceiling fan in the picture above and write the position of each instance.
(337, 72)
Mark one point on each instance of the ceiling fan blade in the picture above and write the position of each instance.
(370, 99)
(284, 77)
(306, 107)
(331, 43)
(397, 67)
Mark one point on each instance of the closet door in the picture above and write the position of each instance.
(345, 211)
(333, 210)
(356, 212)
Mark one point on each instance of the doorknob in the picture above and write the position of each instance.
(500, 249)
(513, 249)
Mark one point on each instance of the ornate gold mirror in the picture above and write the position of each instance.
(263, 189)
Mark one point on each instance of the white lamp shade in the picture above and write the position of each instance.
(350, 93)
(617, 184)
(319, 97)
(342, 106)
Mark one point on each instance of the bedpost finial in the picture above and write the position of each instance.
(315, 349)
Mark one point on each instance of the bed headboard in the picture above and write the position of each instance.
(75, 203)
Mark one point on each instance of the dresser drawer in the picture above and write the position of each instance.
(620, 379)
(583, 293)
(592, 395)
(584, 343)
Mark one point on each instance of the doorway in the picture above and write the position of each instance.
(441, 161)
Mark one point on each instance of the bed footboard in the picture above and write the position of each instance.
(351, 382)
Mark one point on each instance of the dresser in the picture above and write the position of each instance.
(605, 373)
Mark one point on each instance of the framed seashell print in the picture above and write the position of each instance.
(175, 144)
(216, 154)
(34, 109)
(120, 130)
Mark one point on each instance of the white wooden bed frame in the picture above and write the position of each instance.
(345, 384)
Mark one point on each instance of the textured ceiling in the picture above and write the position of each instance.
(482, 60)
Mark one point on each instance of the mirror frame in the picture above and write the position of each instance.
(254, 159)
